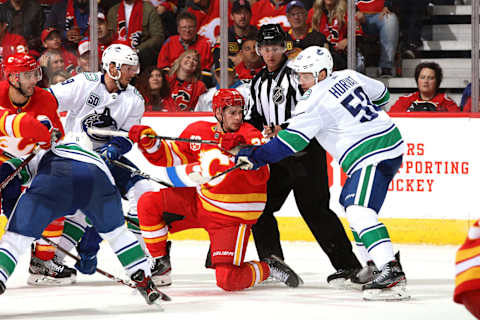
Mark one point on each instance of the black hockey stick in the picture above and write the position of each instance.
(19, 168)
(115, 133)
(132, 221)
(137, 172)
(237, 166)
(163, 296)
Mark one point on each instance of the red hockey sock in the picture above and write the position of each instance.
(152, 225)
(54, 231)
(233, 278)
(471, 301)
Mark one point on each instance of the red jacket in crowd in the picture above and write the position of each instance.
(439, 103)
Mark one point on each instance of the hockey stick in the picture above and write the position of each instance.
(114, 133)
(19, 168)
(132, 221)
(137, 172)
(163, 296)
(237, 166)
(108, 275)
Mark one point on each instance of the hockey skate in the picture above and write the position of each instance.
(147, 288)
(280, 271)
(49, 273)
(161, 269)
(341, 278)
(389, 284)
(365, 275)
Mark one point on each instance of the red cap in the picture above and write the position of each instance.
(227, 98)
(20, 62)
(46, 33)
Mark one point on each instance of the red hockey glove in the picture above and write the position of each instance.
(31, 130)
(140, 134)
(230, 140)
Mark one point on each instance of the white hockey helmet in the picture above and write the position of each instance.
(119, 54)
(313, 59)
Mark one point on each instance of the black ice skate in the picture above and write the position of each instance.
(389, 284)
(146, 287)
(365, 275)
(161, 269)
(340, 279)
(280, 271)
(49, 273)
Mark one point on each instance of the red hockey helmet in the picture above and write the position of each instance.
(227, 98)
(20, 62)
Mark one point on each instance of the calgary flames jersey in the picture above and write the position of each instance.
(185, 93)
(40, 103)
(265, 12)
(239, 194)
(208, 21)
(467, 264)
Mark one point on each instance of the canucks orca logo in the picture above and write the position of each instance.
(99, 120)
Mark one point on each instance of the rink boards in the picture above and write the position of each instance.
(431, 200)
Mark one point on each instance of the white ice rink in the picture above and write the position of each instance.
(429, 270)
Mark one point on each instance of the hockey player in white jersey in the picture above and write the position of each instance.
(66, 179)
(105, 100)
(342, 110)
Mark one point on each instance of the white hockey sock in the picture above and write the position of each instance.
(361, 250)
(73, 231)
(372, 233)
(127, 249)
(12, 246)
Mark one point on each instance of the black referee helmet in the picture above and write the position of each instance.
(270, 34)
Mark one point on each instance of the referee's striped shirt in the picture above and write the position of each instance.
(273, 98)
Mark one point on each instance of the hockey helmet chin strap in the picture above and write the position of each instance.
(119, 85)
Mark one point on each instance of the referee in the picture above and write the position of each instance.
(274, 94)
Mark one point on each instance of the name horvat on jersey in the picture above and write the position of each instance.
(342, 86)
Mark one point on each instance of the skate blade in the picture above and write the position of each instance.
(41, 280)
(339, 284)
(389, 294)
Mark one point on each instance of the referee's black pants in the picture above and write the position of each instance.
(306, 175)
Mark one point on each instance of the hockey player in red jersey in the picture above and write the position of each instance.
(226, 207)
(19, 94)
(467, 269)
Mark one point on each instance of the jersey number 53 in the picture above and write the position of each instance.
(358, 103)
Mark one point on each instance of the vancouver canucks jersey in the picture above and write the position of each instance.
(89, 104)
(64, 150)
(343, 112)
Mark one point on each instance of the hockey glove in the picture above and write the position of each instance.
(246, 157)
(87, 263)
(30, 129)
(141, 135)
(230, 140)
(110, 152)
(195, 173)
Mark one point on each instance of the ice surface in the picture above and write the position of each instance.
(429, 270)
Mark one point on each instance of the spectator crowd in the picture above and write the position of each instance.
(177, 42)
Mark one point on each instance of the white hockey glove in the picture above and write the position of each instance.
(197, 175)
